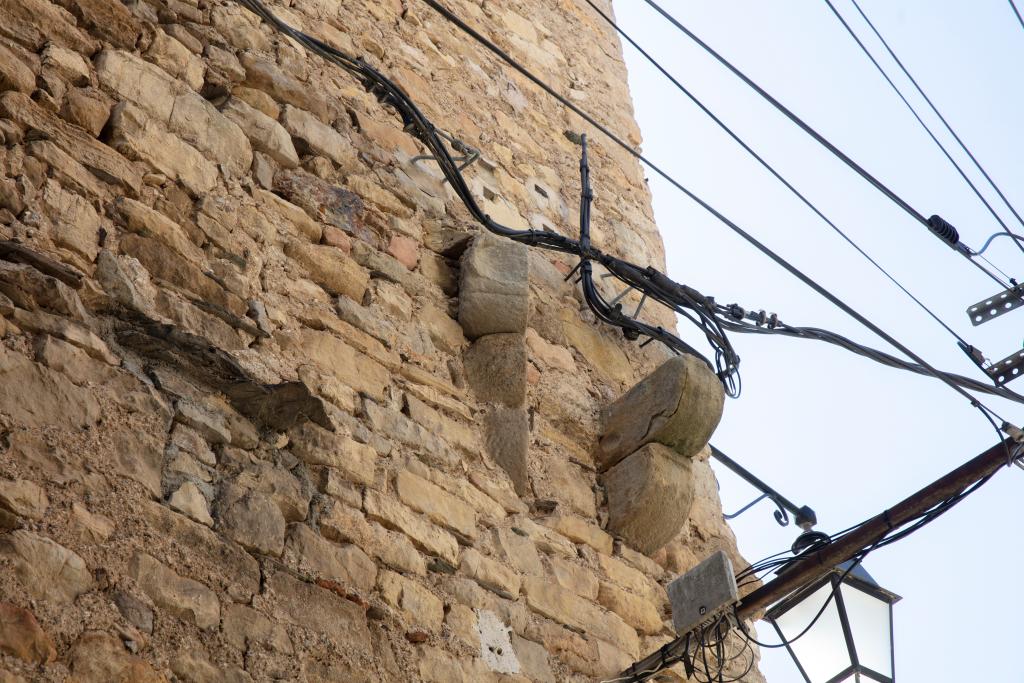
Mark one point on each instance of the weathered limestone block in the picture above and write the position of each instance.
(183, 112)
(143, 220)
(136, 136)
(27, 288)
(421, 607)
(394, 515)
(678, 405)
(316, 137)
(310, 553)
(189, 500)
(90, 527)
(65, 169)
(330, 268)
(490, 574)
(76, 223)
(99, 657)
(34, 23)
(580, 530)
(68, 63)
(568, 608)
(317, 446)
(346, 364)
(575, 577)
(269, 78)
(496, 369)
(507, 439)
(48, 570)
(88, 108)
(107, 164)
(494, 287)
(634, 610)
(243, 626)
(70, 331)
(22, 637)
(291, 214)
(311, 607)
(184, 598)
(109, 20)
(343, 524)
(23, 498)
(226, 566)
(265, 134)
(253, 521)
(649, 497)
(436, 503)
(173, 57)
(14, 74)
(289, 494)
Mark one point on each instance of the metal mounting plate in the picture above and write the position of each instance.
(1008, 369)
(702, 593)
(993, 307)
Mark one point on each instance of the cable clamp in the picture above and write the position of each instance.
(1017, 452)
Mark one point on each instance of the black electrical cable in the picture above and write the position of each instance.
(721, 124)
(1016, 12)
(934, 109)
(647, 280)
(803, 125)
(868, 352)
(836, 301)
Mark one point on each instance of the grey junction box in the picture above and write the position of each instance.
(702, 593)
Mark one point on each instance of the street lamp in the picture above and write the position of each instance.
(851, 641)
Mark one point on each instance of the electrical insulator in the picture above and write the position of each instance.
(942, 229)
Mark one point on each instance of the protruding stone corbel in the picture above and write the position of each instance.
(651, 433)
(493, 308)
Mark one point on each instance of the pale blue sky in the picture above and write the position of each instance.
(827, 428)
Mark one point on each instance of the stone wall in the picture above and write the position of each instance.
(271, 408)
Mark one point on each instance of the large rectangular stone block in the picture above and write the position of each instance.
(493, 290)
(678, 405)
(649, 497)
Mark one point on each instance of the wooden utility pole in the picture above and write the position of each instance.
(816, 564)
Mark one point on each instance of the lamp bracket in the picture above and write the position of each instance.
(703, 593)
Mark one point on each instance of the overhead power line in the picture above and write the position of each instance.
(937, 225)
(729, 131)
(1015, 11)
(711, 317)
(790, 268)
(935, 110)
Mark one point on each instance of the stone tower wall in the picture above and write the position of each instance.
(270, 406)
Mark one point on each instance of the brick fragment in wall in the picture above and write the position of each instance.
(493, 287)
(650, 493)
(678, 405)
(496, 369)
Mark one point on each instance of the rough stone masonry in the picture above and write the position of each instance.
(273, 409)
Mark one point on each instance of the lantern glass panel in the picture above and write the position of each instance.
(870, 622)
(822, 651)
